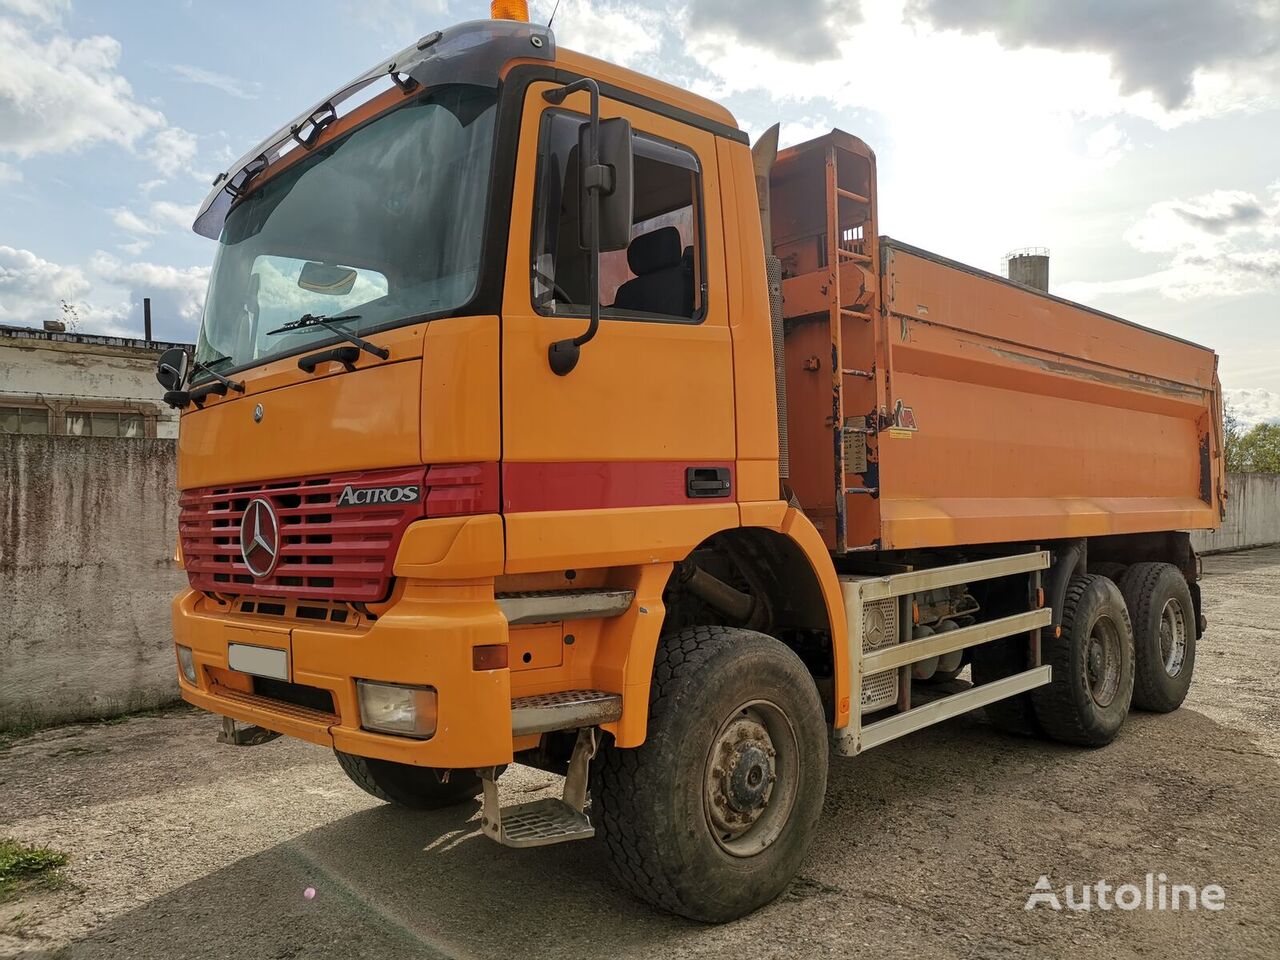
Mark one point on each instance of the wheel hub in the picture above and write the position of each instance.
(749, 788)
(1102, 662)
(750, 778)
(741, 777)
(1173, 636)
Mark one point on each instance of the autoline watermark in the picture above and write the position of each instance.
(1155, 893)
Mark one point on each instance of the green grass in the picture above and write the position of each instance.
(24, 867)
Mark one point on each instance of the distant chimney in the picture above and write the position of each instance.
(146, 318)
(55, 326)
(1029, 266)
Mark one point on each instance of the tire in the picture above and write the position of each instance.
(418, 788)
(1093, 666)
(715, 689)
(1164, 634)
(995, 661)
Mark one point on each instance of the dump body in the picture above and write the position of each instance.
(971, 409)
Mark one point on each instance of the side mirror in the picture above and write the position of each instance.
(326, 278)
(604, 204)
(611, 178)
(171, 368)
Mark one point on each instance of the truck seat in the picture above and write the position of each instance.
(663, 278)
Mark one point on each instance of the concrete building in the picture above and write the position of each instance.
(75, 384)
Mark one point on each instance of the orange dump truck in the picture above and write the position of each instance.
(536, 419)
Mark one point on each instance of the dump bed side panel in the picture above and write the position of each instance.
(1019, 416)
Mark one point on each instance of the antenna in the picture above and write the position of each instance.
(553, 14)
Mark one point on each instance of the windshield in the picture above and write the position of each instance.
(385, 223)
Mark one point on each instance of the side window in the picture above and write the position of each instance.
(24, 419)
(660, 276)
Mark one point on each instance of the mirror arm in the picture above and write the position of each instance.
(563, 354)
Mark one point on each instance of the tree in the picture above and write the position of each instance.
(1258, 451)
(70, 316)
(1232, 435)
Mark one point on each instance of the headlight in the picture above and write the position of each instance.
(188, 664)
(407, 711)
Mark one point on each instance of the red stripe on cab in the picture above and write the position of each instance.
(590, 485)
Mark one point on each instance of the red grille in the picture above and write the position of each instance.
(326, 551)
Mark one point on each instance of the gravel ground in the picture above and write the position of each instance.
(929, 847)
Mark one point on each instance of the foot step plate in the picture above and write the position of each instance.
(564, 711)
(538, 823)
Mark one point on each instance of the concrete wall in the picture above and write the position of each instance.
(87, 530)
(1253, 515)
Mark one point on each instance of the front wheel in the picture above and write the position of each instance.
(418, 788)
(712, 815)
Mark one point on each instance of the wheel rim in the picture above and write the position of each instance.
(1102, 662)
(1173, 636)
(751, 776)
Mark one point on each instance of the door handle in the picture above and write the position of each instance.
(704, 482)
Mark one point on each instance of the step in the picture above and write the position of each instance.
(568, 710)
(538, 823)
(553, 606)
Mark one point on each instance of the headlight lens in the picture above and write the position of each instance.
(188, 664)
(407, 711)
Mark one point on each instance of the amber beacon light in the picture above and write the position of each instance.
(509, 10)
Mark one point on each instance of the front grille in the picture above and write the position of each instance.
(326, 551)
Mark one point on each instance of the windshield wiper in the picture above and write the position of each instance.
(236, 385)
(312, 320)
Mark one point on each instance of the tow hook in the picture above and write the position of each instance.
(246, 735)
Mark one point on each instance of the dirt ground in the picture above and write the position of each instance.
(929, 847)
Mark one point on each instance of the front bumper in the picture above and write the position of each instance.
(424, 638)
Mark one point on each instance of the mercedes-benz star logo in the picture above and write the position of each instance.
(260, 538)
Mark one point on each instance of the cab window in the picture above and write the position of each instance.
(660, 275)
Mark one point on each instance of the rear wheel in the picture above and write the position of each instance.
(1092, 661)
(1164, 634)
(418, 788)
(712, 815)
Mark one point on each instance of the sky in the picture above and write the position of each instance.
(1138, 139)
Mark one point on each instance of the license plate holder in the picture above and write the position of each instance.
(270, 662)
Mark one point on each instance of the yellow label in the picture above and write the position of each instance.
(898, 434)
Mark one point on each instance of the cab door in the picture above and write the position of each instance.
(629, 457)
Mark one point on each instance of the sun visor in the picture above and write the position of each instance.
(472, 53)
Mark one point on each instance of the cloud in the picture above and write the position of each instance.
(621, 34)
(46, 11)
(9, 173)
(177, 293)
(240, 89)
(1154, 45)
(1218, 244)
(1254, 405)
(800, 30)
(32, 290)
(30, 287)
(107, 295)
(58, 93)
(161, 216)
(173, 150)
(130, 222)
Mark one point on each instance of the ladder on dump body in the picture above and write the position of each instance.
(860, 245)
